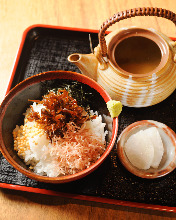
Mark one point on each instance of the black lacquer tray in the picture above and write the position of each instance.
(45, 48)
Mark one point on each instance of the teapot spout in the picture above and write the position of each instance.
(87, 63)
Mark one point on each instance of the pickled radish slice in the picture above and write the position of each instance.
(145, 149)
(139, 150)
(156, 140)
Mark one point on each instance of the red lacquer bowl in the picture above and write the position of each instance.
(33, 88)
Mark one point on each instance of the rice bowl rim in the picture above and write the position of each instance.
(45, 76)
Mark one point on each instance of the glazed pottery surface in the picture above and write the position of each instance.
(168, 161)
(135, 66)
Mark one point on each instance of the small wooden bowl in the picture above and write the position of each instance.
(168, 162)
(33, 88)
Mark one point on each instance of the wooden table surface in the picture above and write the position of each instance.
(15, 17)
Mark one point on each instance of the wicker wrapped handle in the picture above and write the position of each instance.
(145, 11)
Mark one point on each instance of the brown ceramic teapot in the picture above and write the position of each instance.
(135, 66)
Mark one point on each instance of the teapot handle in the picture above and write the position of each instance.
(145, 11)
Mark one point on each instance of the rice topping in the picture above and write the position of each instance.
(56, 151)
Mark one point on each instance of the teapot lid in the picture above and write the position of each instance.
(138, 52)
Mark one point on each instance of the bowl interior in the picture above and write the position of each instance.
(85, 91)
(168, 161)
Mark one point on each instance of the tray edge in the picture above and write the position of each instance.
(67, 195)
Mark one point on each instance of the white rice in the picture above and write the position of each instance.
(61, 156)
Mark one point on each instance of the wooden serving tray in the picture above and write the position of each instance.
(45, 48)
